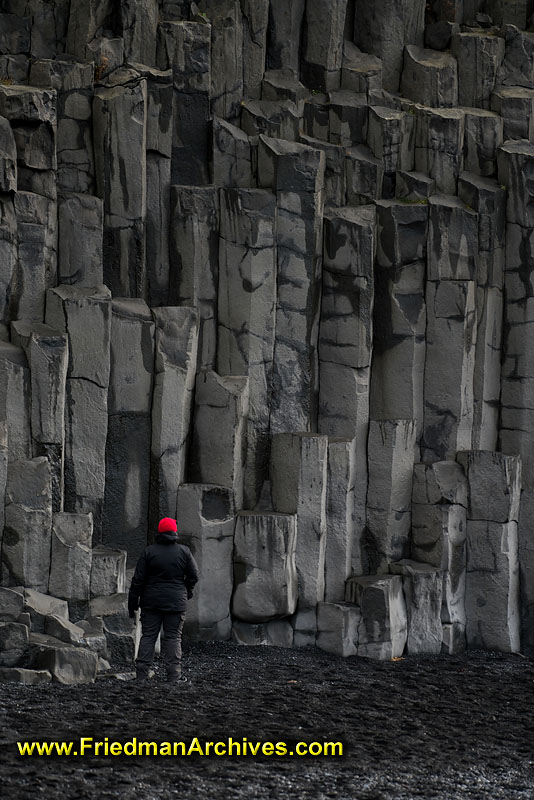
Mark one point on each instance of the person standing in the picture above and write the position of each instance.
(163, 581)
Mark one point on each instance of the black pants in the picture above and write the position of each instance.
(152, 621)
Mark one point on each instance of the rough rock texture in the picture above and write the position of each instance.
(267, 266)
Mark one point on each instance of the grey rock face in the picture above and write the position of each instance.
(285, 23)
(14, 640)
(71, 557)
(483, 136)
(108, 572)
(343, 513)
(438, 145)
(39, 606)
(80, 240)
(324, 22)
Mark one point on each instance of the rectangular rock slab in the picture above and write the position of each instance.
(108, 571)
(382, 632)
(422, 586)
(494, 485)
(277, 633)
(265, 577)
(10, 605)
(71, 559)
(67, 665)
(390, 459)
(337, 628)
(39, 606)
(206, 515)
(492, 587)
(29, 677)
(298, 470)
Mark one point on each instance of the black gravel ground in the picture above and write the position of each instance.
(434, 727)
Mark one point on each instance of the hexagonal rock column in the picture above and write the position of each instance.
(221, 404)
(492, 582)
(337, 628)
(3, 476)
(399, 312)
(384, 27)
(8, 254)
(70, 565)
(74, 84)
(185, 47)
(47, 353)
(120, 128)
(487, 197)
(26, 544)
(422, 585)
(298, 470)
(390, 462)
(439, 529)
(246, 316)
(139, 21)
(449, 368)
(75, 311)
(439, 141)
(518, 64)
(324, 22)
(516, 163)
(80, 242)
(390, 137)
(176, 343)
(345, 516)
(15, 395)
(346, 322)
(285, 26)
(296, 173)
(265, 577)
(194, 260)
(430, 77)
(479, 58)
(382, 631)
(483, 135)
(125, 515)
(206, 523)
(37, 244)
(120, 631)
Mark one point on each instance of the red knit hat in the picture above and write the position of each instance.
(167, 525)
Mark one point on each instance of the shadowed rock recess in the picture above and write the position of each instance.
(267, 267)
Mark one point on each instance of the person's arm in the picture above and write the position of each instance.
(136, 587)
(191, 575)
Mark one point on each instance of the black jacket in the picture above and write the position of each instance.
(164, 576)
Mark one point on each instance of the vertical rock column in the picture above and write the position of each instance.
(119, 129)
(73, 83)
(390, 464)
(438, 538)
(158, 182)
(246, 315)
(516, 434)
(186, 48)
(27, 539)
(488, 199)
(298, 468)
(206, 521)
(125, 517)
(8, 249)
(400, 312)
(451, 328)
(492, 581)
(324, 23)
(384, 27)
(195, 261)
(255, 22)
(47, 353)
(77, 311)
(226, 24)
(176, 342)
(15, 393)
(343, 518)
(296, 173)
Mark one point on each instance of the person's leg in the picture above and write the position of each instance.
(151, 623)
(171, 644)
